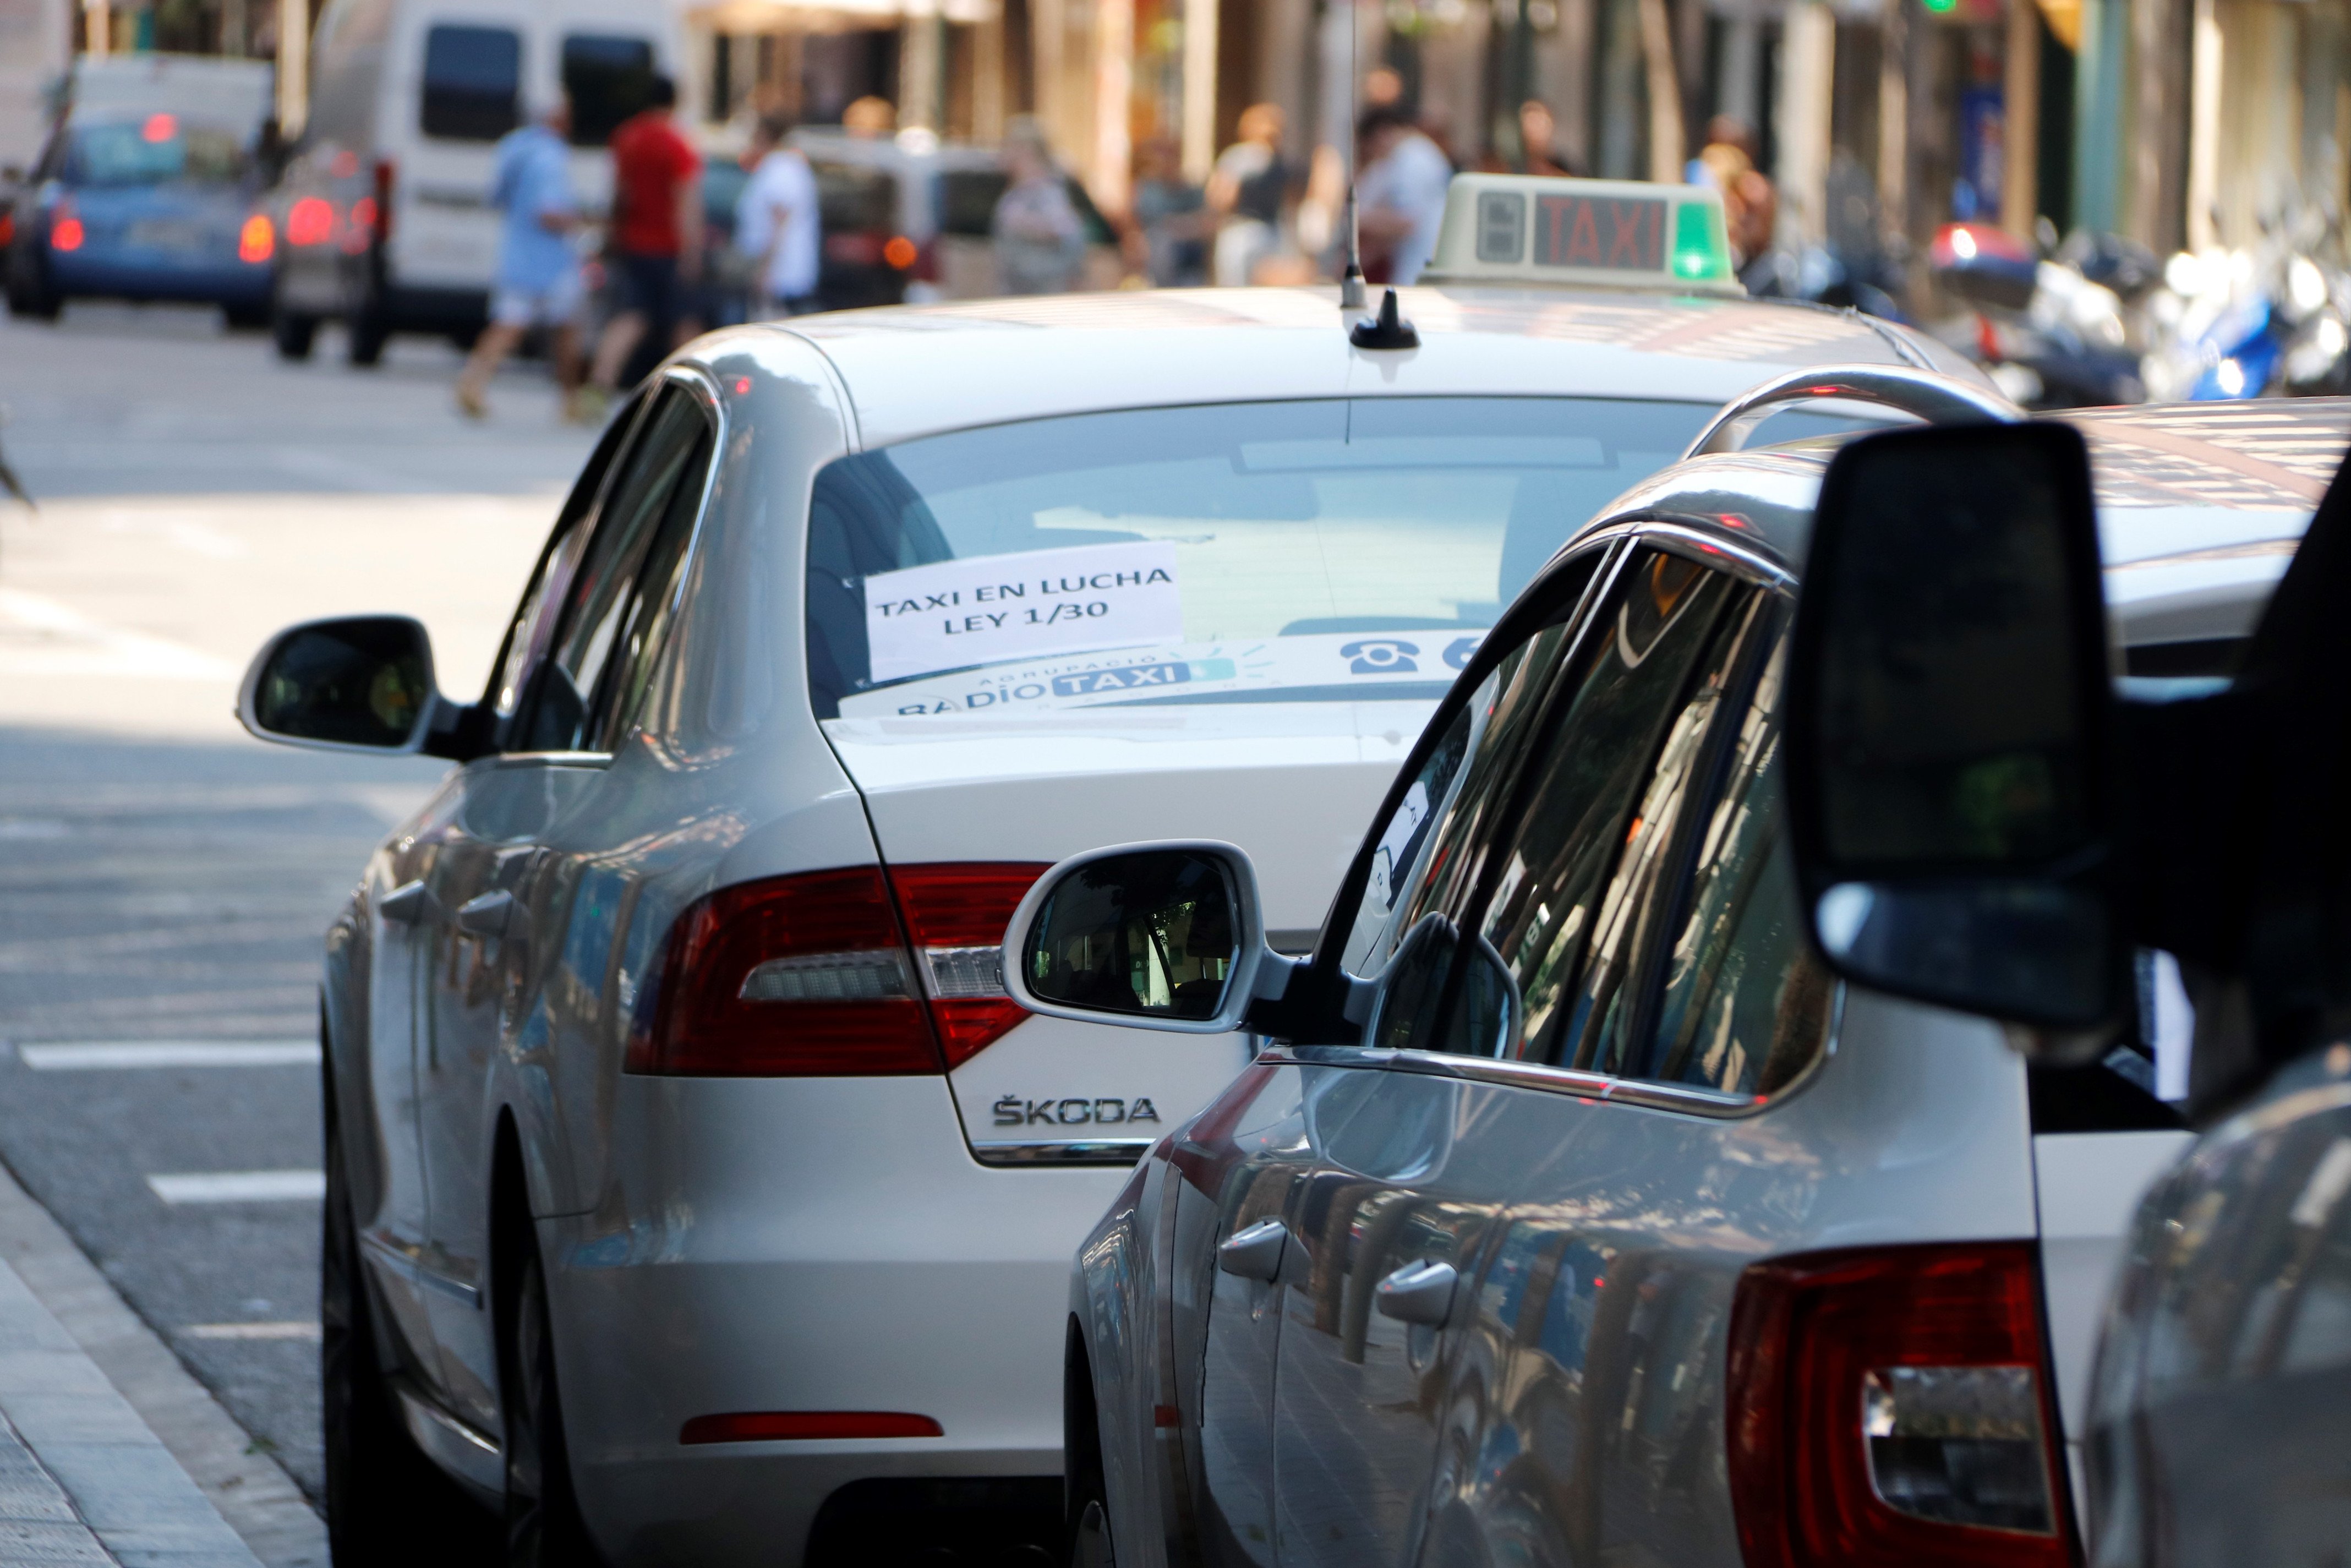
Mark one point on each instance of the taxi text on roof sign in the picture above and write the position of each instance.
(1522, 228)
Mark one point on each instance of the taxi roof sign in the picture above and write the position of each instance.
(1523, 228)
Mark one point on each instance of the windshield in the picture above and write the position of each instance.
(153, 149)
(1326, 550)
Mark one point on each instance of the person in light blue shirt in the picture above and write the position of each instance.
(538, 282)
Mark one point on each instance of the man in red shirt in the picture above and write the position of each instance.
(656, 234)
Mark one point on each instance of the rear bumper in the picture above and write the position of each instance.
(84, 276)
(804, 1245)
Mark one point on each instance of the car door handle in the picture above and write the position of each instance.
(412, 903)
(492, 915)
(1418, 1293)
(1254, 1252)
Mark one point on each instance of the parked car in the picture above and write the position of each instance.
(1573, 1210)
(693, 1185)
(148, 188)
(907, 218)
(384, 206)
(2199, 818)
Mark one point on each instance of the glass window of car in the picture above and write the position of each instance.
(1323, 550)
(1744, 1005)
(616, 596)
(1577, 876)
(533, 617)
(607, 77)
(155, 150)
(473, 82)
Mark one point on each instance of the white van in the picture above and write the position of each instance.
(383, 208)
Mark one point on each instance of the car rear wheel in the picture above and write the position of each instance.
(543, 1525)
(368, 333)
(30, 296)
(292, 333)
(387, 1505)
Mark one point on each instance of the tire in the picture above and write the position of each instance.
(368, 336)
(34, 300)
(247, 317)
(387, 1505)
(543, 1525)
(292, 335)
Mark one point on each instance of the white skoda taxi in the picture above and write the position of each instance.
(696, 1193)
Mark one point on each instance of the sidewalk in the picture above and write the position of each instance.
(84, 1478)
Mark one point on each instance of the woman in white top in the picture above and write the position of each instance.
(777, 222)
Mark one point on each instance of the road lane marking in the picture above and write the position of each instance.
(39, 636)
(296, 1329)
(87, 1055)
(240, 1186)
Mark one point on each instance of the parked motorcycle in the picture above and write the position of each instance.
(2268, 321)
(2054, 330)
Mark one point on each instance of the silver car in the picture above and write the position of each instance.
(695, 1190)
(1572, 1211)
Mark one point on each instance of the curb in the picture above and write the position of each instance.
(182, 1456)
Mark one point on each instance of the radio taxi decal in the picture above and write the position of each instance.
(1203, 670)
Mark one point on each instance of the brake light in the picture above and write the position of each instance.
(361, 230)
(309, 221)
(771, 1426)
(899, 252)
(64, 228)
(956, 911)
(801, 976)
(255, 240)
(814, 975)
(1894, 1407)
(7, 229)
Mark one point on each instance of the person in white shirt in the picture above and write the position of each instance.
(777, 222)
(1399, 195)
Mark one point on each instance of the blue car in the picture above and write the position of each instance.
(143, 204)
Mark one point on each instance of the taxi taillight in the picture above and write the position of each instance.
(833, 974)
(1893, 1405)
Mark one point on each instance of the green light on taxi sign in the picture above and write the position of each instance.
(1701, 246)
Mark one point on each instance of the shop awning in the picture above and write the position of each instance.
(832, 16)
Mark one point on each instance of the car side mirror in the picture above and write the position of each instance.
(1950, 725)
(362, 682)
(1158, 936)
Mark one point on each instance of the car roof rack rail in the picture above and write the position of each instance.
(1938, 399)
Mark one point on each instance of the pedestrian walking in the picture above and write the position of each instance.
(1399, 195)
(656, 235)
(538, 282)
(1246, 191)
(777, 224)
(1039, 240)
(1171, 218)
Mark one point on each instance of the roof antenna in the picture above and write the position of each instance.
(1389, 329)
(1351, 282)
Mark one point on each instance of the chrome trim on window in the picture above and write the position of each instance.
(1522, 1075)
(1104, 1151)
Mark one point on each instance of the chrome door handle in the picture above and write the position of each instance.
(1418, 1293)
(492, 915)
(1254, 1252)
(412, 903)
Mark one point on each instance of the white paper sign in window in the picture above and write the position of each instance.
(953, 614)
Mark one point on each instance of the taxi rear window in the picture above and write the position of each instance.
(1333, 549)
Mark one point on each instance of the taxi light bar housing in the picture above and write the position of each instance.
(1892, 1406)
(852, 973)
(1622, 234)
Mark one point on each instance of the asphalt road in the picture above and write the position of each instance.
(164, 879)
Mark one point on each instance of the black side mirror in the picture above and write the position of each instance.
(1950, 722)
(363, 683)
(1161, 936)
